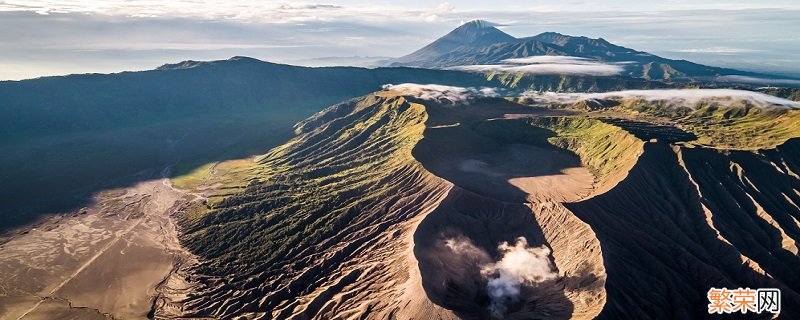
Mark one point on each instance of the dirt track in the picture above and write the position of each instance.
(103, 261)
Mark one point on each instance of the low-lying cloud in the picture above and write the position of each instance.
(442, 93)
(718, 50)
(518, 265)
(759, 81)
(676, 97)
(549, 65)
(549, 59)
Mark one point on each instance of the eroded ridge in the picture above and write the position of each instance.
(392, 206)
(324, 227)
(328, 224)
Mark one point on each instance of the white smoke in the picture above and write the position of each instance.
(464, 247)
(675, 97)
(519, 265)
(440, 93)
(549, 65)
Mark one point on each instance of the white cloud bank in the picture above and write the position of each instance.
(757, 80)
(549, 65)
(442, 93)
(718, 50)
(549, 59)
(116, 31)
(682, 97)
(518, 265)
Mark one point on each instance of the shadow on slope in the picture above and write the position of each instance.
(485, 209)
(666, 237)
(65, 138)
(320, 228)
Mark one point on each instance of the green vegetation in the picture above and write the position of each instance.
(571, 83)
(743, 128)
(607, 150)
(313, 188)
(739, 126)
(786, 93)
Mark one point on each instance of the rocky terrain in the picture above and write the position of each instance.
(418, 203)
(483, 176)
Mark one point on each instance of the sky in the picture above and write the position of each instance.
(50, 37)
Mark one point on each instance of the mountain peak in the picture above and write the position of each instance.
(561, 39)
(472, 34)
(477, 23)
(477, 33)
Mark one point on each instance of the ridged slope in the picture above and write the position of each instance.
(686, 220)
(323, 228)
(328, 225)
(738, 125)
(353, 217)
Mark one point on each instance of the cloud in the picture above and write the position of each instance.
(35, 45)
(549, 59)
(718, 50)
(441, 9)
(756, 80)
(445, 7)
(442, 93)
(518, 265)
(675, 97)
(549, 65)
(398, 28)
(271, 12)
(308, 6)
(233, 9)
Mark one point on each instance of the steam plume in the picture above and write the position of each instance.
(519, 265)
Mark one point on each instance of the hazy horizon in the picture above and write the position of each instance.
(58, 37)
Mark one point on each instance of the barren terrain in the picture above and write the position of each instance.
(103, 261)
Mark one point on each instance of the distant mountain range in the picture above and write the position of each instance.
(480, 42)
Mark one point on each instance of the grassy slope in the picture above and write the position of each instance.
(575, 83)
(290, 228)
(300, 212)
(734, 126)
(744, 129)
(309, 188)
(607, 150)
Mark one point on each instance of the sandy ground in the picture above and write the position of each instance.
(543, 174)
(504, 189)
(103, 261)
